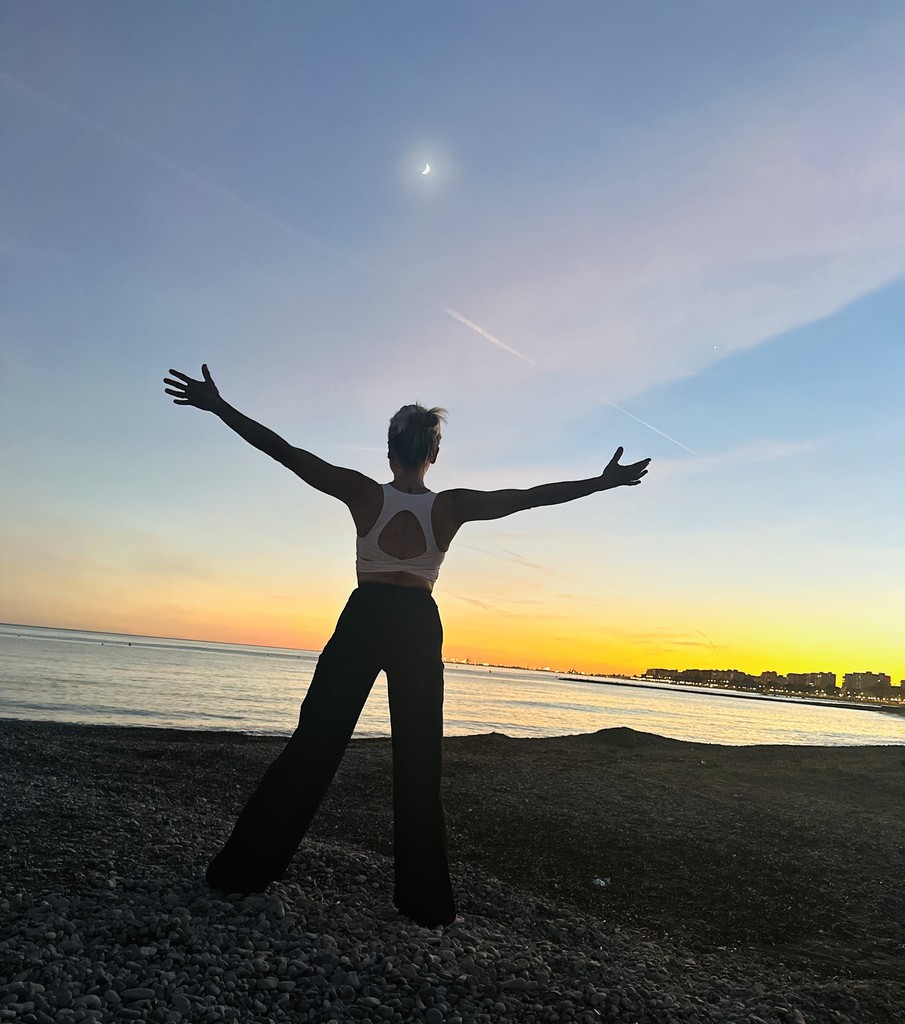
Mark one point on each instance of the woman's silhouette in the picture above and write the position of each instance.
(390, 622)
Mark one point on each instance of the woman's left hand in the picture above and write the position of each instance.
(623, 476)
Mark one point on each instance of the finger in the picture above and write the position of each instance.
(617, 456)
(206, 372)
(182, 376)
(181, 401)
(178, 394)
(175, 383)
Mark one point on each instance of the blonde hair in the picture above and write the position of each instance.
(413, 433)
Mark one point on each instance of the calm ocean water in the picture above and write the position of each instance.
(118, 679)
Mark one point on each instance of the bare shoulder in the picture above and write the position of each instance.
(348, 485)
(365, 502)
(444, 518)
(448, 503)
(454, 508)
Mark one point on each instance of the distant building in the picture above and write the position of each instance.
(772, 681)
(868, 683)
(822, 682)
(873, 683)
(713, 676)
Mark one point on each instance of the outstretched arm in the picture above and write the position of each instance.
(472, 505)
(345, 484)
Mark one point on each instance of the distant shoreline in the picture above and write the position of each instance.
(896, 709)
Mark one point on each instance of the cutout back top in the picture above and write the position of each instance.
(371, 557)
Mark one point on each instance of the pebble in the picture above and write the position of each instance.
(325, 944)
(90, 1001)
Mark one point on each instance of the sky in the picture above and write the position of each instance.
(679, 228)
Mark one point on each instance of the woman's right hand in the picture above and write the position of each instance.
(202, 394)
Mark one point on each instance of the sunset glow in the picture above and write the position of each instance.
(706, 267)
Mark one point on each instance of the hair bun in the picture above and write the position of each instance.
(413, 431)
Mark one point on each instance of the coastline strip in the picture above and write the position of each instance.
(691, 688)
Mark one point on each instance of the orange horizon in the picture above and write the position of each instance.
(495, 656)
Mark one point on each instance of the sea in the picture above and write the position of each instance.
(66, 675)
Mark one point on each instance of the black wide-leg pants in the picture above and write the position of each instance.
(396, 629)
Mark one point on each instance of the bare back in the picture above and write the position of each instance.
(402, 536)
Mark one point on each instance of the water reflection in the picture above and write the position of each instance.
(64, 675)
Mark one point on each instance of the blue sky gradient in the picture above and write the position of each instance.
(691, 212)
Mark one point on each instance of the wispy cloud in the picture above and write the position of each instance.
(670, 637)
(507, 555)
(497, 609)
(350, 447)
(746, 224)
(761, 450)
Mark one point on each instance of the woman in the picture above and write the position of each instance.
(390, 622)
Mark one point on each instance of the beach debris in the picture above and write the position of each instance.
(601, 883)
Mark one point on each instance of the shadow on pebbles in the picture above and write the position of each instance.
(327, 945)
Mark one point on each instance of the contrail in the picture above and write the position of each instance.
(508, 348)
(224, 193)
(185, 172)
(638, 419)
(486, 334)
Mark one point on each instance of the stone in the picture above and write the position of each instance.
(89, 1002)
(138, 993)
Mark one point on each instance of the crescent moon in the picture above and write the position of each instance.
(427, 169)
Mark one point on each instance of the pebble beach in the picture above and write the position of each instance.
(616, 876)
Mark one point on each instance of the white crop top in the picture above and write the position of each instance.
(372, 558)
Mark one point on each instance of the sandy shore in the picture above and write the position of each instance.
(780, 868)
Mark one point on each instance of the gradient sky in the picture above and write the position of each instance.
(676, 227)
